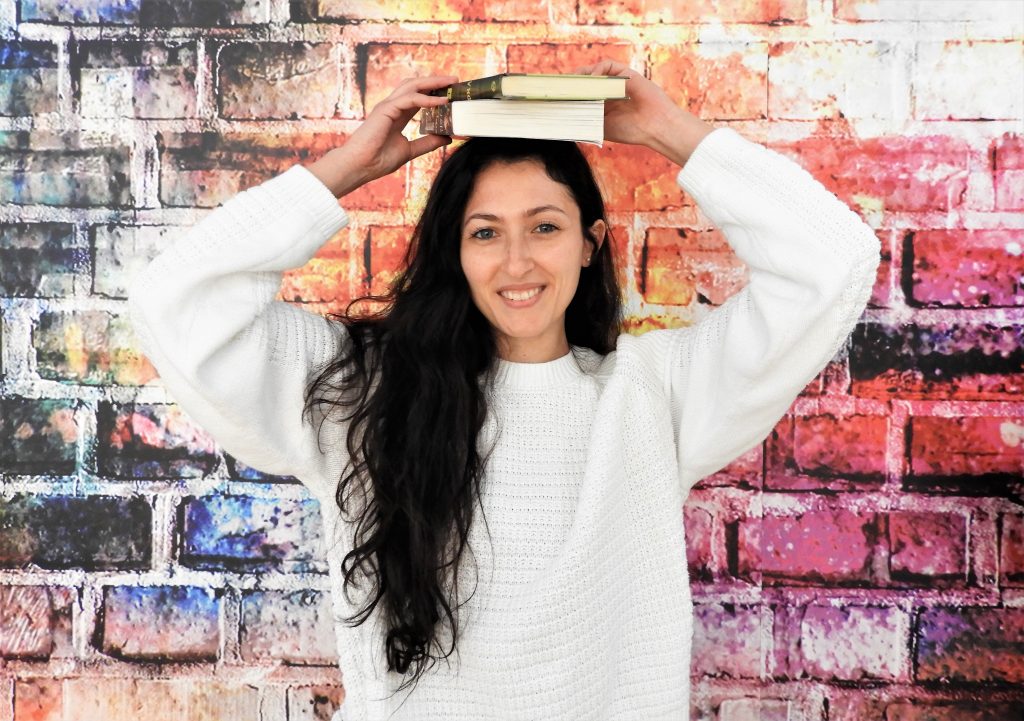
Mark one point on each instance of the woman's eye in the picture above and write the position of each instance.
(548, 225)
(482, 230)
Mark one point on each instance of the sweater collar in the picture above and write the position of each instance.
(509, 374)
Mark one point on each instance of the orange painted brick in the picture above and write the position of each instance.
(566, 57)
(435, 11)
(633, 177)
(628, 12)
(329, 275)
(681, 267)
(715, 80)
(38, 699)
(314, 703)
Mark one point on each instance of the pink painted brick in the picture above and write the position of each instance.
(969, 446)
(1012, 545)
(699, 527)
(1007, 154)
(927, 546)
(730, 640)
(926, 711)
(35, 621)
(814, 547)
(855, 643)
(294, 627)
(748, 709)
(827, 451)
(967, 268)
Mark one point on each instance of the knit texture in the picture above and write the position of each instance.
(580, 605)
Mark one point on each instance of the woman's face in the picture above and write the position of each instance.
(522, 249)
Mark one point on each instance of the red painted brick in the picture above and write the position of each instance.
(927, 546)
(38, 699)
(992, 711)
(969, 446)
(627, 12)
(160, 440)
(730, 640)
(387, 246)
(35, 621)
(827, 451)
(726, 80)
(974, 645)
(684, 267)
(967, 268)
(817, 546)
(699, 527)
(1007, 155)
(436, 11)
(1012, 545)
(855, 643)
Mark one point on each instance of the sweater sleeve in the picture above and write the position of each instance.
(812, 264)
(232, 357)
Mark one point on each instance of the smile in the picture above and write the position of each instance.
(521, 298)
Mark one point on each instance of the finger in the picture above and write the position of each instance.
(421, 146)
(428, 82)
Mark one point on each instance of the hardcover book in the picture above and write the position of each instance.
(537, 86)
(575, 120)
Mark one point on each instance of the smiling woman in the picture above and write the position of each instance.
(497, 375)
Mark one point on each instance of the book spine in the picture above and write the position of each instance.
(436, 120)
(479, 89)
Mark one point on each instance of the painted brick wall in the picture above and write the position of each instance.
(865, 563)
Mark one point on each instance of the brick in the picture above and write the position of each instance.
(926, 547)
(205, 169)
(383, 254)
(928, 12)
(817, 546)
(727, 80)
(152, 441)
(635, 178)
(42, 260)
(685, 267)
(965, 268)
(1012, 547)
(216, 701)
(966, 446)
(239, 532)
(37, 436)
(28, 77)
(972, 645)
(114, 699)
(162, 623)
(847, 79)
(631, 12)
(991, 711)
(278, 80)
(920, 172)
(976, 361)
(89, 347)
(747, 709)
(699, 529)
(35, 621)
(38, 699)
(388, 64)
(335, 272)
(314, 703)
(855, 643)
(64, 168)
(564, 57)
(123, 251)
(729, 640)
(827, 451)
(148, 13)
(94, 532)
(439, 11)
(940, 92)
(295, 627)
(1007, 157)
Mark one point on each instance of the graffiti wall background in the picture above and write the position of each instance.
(865, 563)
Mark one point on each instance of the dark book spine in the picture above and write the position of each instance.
(478, 89)
(436, 120)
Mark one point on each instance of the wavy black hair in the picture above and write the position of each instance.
(413, 385)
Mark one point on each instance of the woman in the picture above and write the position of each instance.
(495, 376)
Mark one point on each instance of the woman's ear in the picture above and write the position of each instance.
(598, 231)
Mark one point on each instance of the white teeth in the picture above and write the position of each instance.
(520, 294)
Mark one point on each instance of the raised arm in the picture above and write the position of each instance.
(732, 376)
(203, 310)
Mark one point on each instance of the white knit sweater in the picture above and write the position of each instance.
(582, 608)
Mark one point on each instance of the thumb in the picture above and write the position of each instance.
(421, 146)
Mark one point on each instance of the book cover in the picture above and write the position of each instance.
(536, 86)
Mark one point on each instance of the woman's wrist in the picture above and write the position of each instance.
(678, 137)
(337, 172)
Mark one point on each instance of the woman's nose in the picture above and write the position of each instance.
(519, 257)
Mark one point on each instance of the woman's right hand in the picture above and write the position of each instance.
(377, 147)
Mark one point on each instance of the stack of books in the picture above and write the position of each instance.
(525, 105)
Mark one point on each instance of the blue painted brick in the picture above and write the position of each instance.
(39, 260)
(240, 532)
(162, 623)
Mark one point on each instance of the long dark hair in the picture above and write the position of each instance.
(409, 386)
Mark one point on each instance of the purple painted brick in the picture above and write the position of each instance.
(982, 645)
(730, 640)
(855, 643)
(161, 623)
(295, 627)
(149, 13)
(239, 532)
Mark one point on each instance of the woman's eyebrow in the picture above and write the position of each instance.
(528, 213)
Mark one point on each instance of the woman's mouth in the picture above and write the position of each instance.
(521, 298)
